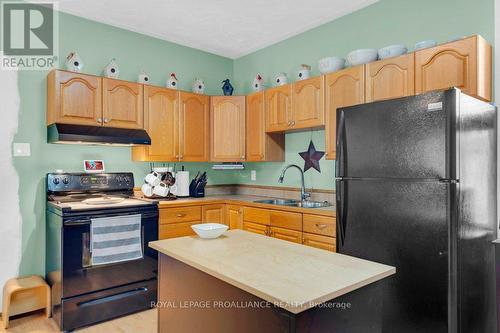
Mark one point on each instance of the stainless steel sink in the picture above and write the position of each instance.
(295, 203)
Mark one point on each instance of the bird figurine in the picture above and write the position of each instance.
(227, 88)
(172, 81)
(73, 62)
(143, 78)
(258, 83)
(198, 86)
(111, 70)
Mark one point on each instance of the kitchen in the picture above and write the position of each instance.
(97, 43)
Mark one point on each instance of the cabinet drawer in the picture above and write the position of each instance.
(321, 225)
(286, 220)
(173, 230)
(286, 234)
(320, 242)
(256, 215)
(255, 227)
(180, 214)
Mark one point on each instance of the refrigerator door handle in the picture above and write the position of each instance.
(341, 210)
(339, 163)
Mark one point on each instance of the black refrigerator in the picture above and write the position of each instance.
(416, 189)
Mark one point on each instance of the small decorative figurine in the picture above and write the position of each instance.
(111, 70)
(227, 88)
(143, 77)
(258, 83)
(281, 79)
(172, 81)
(305, 72)
(198, 86)
(73, 62)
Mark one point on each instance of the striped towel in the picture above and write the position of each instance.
(115, 239)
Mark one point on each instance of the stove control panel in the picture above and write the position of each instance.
(79, 182)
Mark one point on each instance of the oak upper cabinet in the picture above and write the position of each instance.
(342, 88)
(261, 146)
(234, 216)
(122, 104)
(194, 129)
(390, 78)
(214, 214)
(277, 104)
(308, 103)
(161, 121)
(227, 119)
(465, 64)
(73, 98)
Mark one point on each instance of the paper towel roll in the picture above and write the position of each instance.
(182, 182)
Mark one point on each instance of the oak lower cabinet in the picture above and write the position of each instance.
(278, 104)
(177, 221)
(122, 104)
(308, 100)
(390, 78)
(194, 128)
(227, 119)
(161, 121)
(257, 228)
(320, 242)
(342, 88)
(234, 216)
(319, 231)
(286, 234)
(261, 146)
(74, 98)
(214, 214)
(465, 64)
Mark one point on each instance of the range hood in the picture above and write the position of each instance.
(96, 135)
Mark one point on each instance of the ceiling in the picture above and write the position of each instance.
(228, 28)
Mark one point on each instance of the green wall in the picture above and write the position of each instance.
(383, 23)
(97, 44)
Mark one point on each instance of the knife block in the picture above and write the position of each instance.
(198, 193)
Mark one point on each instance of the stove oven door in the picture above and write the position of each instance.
(80, 277)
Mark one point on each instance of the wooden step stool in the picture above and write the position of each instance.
(25, 294)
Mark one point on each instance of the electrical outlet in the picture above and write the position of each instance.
(253, 175)
(21, 149)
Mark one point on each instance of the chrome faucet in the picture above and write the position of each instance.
(303, 194)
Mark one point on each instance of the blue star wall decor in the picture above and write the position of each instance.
(312, 157)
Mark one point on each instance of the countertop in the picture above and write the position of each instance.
(289, 275)
(243, 200)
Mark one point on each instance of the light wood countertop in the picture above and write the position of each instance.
(289, 275)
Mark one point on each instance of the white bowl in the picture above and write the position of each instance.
(392, 51)
(425, 44)
(209, 230)
(330, 64)
(362, 56)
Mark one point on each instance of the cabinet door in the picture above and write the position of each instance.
(161, 121)
(194, 127)
(73, 98)
(343, 88)
(176, 230)
(261, 146)
(390, 78)
(465, 64)
(320, 242)
(214, 214)
(277, 103)
(227, 117)
(255, 227)
(122, 104)
(288, 220)
(234, 216)
(308, 107)
(286, 234)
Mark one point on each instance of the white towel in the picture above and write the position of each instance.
(115, 239)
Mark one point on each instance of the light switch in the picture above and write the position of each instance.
(21, 149)
(253, 175)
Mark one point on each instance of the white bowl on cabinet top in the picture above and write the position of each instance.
(330, 64)
(209, 230)
(362, 56)
(392, 51)
(425, 44)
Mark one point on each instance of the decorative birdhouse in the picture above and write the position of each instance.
(143, 78)
(227, 88)
(73, 62)
(198, 86)
(305, 72)
(281, 79)
(111, 70)
(258, 83)
(172, 81)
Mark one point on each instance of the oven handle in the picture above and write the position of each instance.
(87, 221)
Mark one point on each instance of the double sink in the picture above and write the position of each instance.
(295, 203)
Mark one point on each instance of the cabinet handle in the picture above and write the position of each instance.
(180, 157)
(176, 156)
(321, 225)
(293, 123)
(181, 215)
(326, 153)
(106, 120)
(243, 156)
(99, 120)
(289, 123)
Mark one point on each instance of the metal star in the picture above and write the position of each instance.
(312, 157)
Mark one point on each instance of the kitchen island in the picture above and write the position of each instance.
(247, 283)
